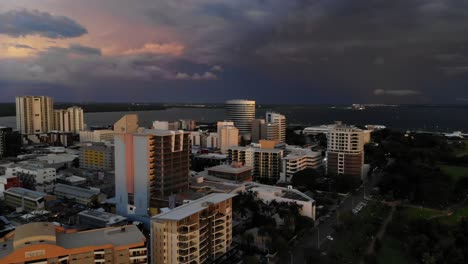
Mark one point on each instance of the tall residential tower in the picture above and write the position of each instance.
(34, 114)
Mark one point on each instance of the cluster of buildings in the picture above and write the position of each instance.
(177, 182)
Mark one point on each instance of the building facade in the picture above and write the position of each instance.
(97, 136)
(34, 176)
(149, 165)
(10, 142)
(276, 127)
(265, 163)
(69, 120)
(228, 136)
(18, 197)
(80, 195)
(44, 242)
(259, 130)
(34, 114)
(97, 157)
(345, 151)
(298, 160)
(241, 112)
(197, 232)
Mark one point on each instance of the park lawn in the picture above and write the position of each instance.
(416, 213)
(392, 252)
(455, 172)
(456, 216)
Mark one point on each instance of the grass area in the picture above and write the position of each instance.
(416, 213)
(456, 172)
(392, 252)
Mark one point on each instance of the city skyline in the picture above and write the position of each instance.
(210, 51)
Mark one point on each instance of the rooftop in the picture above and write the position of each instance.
(193, 207)
(212, 156)
(229, 169)
(160, 132)
(33, 195)
(57, 158)
(116, 236)
(76, 191)
(103, 216)
(287, 193)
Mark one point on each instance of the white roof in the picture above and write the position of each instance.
(193, 207)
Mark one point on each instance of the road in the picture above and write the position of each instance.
(318, 236)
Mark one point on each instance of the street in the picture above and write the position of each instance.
(318, 236)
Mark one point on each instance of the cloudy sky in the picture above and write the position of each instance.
(274, 51)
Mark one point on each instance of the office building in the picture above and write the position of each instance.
(259, 130)
(150, 165)
(69, 120)
(45, 242)
(228, 136)
(34, 176)
(34, 114)
(265, 162)
(276, 127)
(345, 151)
(242, 113)
(98, 219)
(197, 232)
(28, 200)
(233, 172)
(97, 136)
(298, 160)
(97, 157)
(84, 196)
(10, 142)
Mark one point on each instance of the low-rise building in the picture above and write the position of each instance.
(23, 198)
(234, 172)
(7, 182)
(98, 219)
(72, 180)
(80, 195)
(268, 193)
(62, 160)
(202, 161)
(34, 176)
(196, 232)
(44, 242)
(97, 157)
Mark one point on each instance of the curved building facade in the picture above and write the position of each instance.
(242, 113)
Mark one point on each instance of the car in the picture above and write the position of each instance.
(330, 238)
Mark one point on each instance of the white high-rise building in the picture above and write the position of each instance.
(69, 120)
(228, 136)
(241, 112)
(276, 127)
(34, 114)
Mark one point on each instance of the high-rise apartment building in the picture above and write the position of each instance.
(43, 242)
(345, 151)
(259, 130)
(241, 112)
(298, 160)
(34, 114)
(276, 127)
(97, 135)
(69, 120)
(228, 135)
(10, 142)
(150, 165)
(266, 162)
(197, 232)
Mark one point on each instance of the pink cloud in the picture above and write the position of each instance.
(173, 49)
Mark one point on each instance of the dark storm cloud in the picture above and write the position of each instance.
(83, 50)
(23, 22)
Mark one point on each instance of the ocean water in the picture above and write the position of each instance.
(443, 119)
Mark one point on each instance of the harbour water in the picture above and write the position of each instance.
(443, 119)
